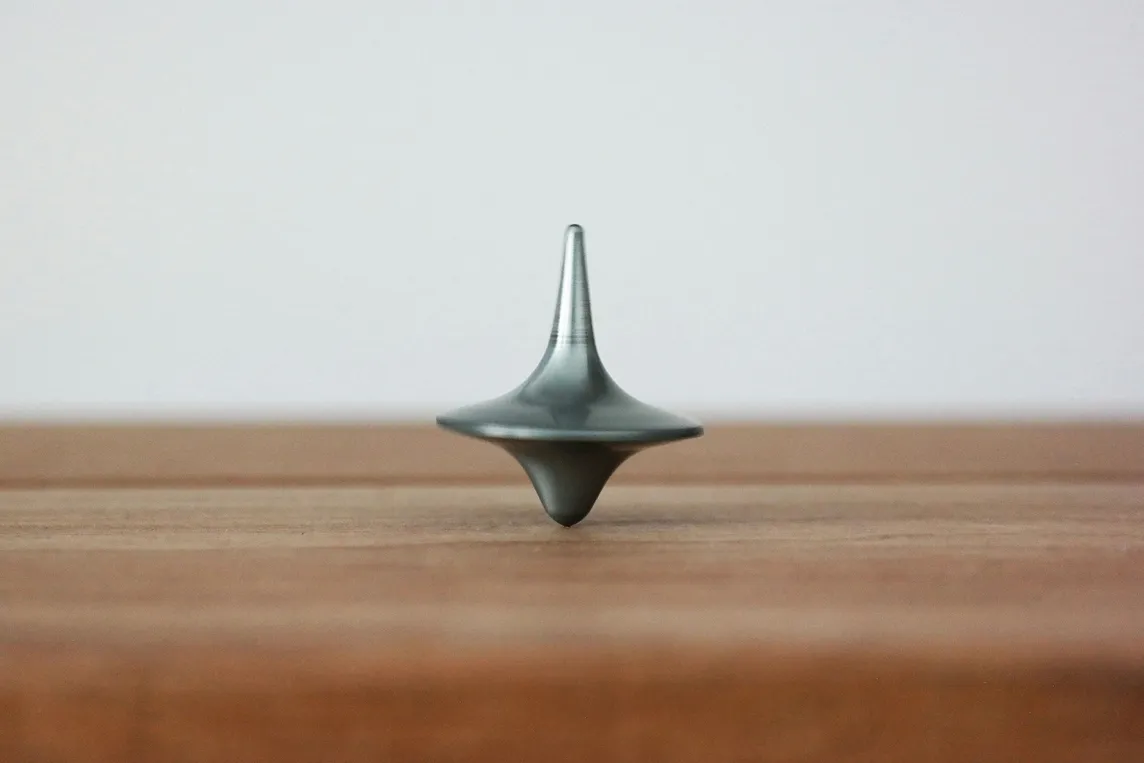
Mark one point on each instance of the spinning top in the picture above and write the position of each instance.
(569, 424)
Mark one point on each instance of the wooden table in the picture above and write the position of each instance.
(911, 622)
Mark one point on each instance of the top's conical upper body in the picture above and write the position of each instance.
(570, 396)
(569, 424)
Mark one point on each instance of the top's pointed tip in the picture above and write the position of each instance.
(574, 255)
(573, 322)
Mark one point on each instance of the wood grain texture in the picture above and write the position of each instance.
(691, 623)
(39, 454)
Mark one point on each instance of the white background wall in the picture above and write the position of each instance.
(792, 209)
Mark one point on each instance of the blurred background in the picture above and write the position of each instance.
(355, 209)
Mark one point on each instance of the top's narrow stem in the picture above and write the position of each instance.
(573, 322)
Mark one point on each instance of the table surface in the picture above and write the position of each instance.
(794, 622)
